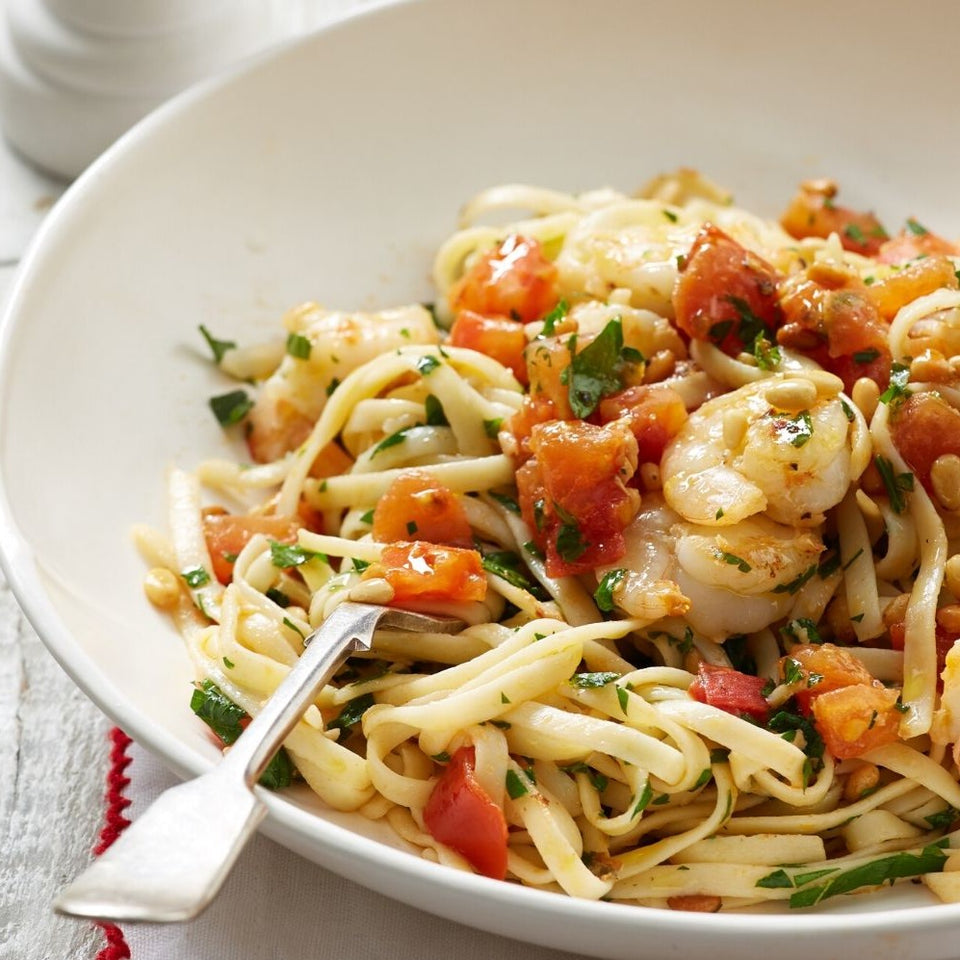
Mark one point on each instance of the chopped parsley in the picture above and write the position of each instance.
(570, 543)
(917, 229)
(603, 595)
(230, 408)
(508, 566)
(426, 365)
(492, 427)
(751, 326)
(794, 585)
(217, 347)
(298, 346)
(516, 785)
(897, 484)
(595, 372)
(285, 555)
(765, 353)
(897, 391)
(593, 681)
(866, 356)
(391, 441)
(550, 321)
(351, 713)
(195, 577)
(734, 561)
(506, 502)
(433, 409)
(227, 721)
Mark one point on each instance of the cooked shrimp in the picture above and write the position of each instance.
(788, 446)
(328, 346)
(723, 581)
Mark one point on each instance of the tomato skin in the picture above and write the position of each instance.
(828, 315)
(459, 814)
(825, 667)
(914, 280)
(416, 506)
(730, 690)
(923, 428)
(575, 488)
(514, 280)
(857, 718)
(427, 571)
(547, 359)
(717, 275)
(655, 414)
(497, 337)
(227, 534)
(813, 213)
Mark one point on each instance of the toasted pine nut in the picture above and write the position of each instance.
(945, 480)
(792, 395)
(660, 366)
(930, 366)
(952, 575)
(866, 395)
(896, 609)
(860, 780)
(162, 588)
(948, 617)
(696, 903)
(650, 476)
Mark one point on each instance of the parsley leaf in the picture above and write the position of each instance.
(225, 719)
(230, 408)
(594, 372)
(603, 595)
(217, 347)
(898, 485)
(298, 346)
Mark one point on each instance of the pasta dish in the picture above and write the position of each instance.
(691, 479)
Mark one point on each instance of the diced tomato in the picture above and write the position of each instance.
(514, 280)
(655, 414)
(427, 571)
(824, 667)
(914, 280)
(497, 337)
(857, 718)
(725, 293)
(417, 506)
(915, 242)
(813, 213)
(573, 493)
(460, 814)
(828, 315)
(227, 534)
(730, 690)
(923, 428)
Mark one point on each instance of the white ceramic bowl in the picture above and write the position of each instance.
(331, 170)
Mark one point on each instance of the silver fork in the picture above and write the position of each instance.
(169, 864)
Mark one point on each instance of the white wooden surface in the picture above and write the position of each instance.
(52, 739)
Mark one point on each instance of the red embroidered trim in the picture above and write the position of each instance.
(115, 823)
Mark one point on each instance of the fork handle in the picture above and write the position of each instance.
(348, 629)
(172, 860)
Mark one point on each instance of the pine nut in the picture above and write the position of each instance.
(948, 617)
(945, 480)
(791, 396)
(930, 366)
(660, 366)
(859, 781)
(866, 395)
(952, 576)
(650, 476)
(162, 588)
